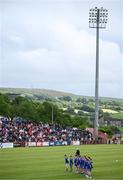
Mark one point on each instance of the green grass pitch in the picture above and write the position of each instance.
(48, 162)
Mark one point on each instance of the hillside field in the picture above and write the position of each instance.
(48, 162)
(109, 111)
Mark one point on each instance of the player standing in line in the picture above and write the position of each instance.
(66, 162)
(85, 166)
(71, 163)
(82, 162)
(78, 164)
(89, 167)
(75, 163)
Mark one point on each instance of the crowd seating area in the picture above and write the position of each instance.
(18, 130)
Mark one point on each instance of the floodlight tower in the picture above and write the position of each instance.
(97, 19)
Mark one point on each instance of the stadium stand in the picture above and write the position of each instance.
(21, 132)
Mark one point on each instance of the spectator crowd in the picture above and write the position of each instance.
(18, 130)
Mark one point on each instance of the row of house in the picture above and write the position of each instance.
(111, 122)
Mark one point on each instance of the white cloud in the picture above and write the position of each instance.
(46, 49)
(15, 39)
(71, 61)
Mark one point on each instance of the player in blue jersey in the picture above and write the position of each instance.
(78, 164)
(75, 162)
(85, 166)
(82, 163)
(66, 162)
(88, 167)
(71, 163)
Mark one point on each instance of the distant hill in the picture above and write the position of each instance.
(47, 93)
(31, 92)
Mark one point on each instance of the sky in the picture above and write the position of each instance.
(48, 44)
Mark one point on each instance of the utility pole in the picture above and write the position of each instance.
(52, 115)
(97, 19)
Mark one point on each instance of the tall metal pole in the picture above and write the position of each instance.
(97, 79)
(52, 114)
(97, 19)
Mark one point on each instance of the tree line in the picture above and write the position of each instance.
(39, 112)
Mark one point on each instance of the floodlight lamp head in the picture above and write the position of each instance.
(98, 17)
